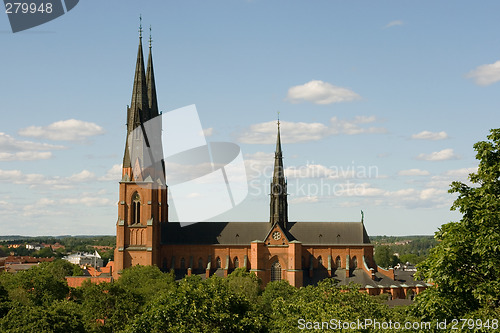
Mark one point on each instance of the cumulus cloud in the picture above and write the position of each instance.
(485, 75)
(89, 201)
(10, 144)
(427, 135)
(306, 199)
(34, 179)
(25, 156)
(393, 24)
(351, 127)
(413, 172)
(115, 173)
(264, 133)
(64, 130)
(293, 132)
(444, 179)
(442, 155)
(320, 92)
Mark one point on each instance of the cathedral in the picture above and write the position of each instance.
(302, 253)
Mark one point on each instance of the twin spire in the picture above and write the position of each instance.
(144, 103)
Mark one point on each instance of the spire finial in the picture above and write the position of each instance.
(140, 26)
(150, 38)
(278, 119)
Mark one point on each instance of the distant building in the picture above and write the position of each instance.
(14, 264)
(85, 259)
(35, 247)
(94, 275)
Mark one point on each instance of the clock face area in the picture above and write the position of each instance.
(276, 235)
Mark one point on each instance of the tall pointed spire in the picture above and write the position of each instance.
(279, 202)
(138, 112)
(150, 81)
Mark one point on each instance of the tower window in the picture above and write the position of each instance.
(136, 208)
(276, 271)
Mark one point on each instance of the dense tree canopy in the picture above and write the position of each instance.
(465, 265)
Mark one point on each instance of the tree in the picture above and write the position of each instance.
(465, 265)
(197, 306)
(384, 257)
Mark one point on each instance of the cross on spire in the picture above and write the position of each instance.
(140, 26)
(150, 38)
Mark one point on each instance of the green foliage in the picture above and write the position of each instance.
(197, 306)
(465, 265)
(45, 252)
(145, 281)
(384, 256)
(58, 317)
(4, 301)
(244, 284)
(108, 307)
(35, 286)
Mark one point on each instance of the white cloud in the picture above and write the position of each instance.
(393, 24)
(444, 180)
(83, 176)
(291, 132)
(319, 92)
(442, 155)
(64, 130)
(485, 75)
(34, 179)
(114, 174)
(10, 144)
(307, 199)
(427, 135)
(460, 174)
(413, 172)
(89, 201)
(25, 156)
(351, 127)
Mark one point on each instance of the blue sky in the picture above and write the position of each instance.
(399, 89)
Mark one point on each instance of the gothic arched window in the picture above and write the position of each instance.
(236, 262)
(320, 262)
(136, 208)
(217, 263)
(338, 262)
(354, 263)
(276, 271)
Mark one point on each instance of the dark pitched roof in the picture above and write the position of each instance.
(243, 233)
